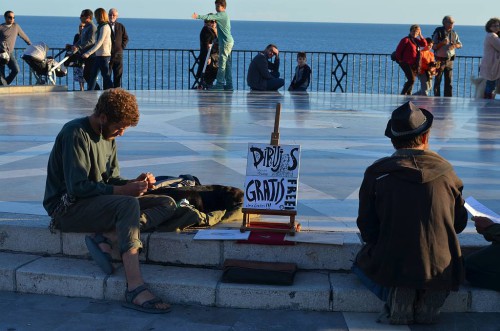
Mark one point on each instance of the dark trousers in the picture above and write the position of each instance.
(275, 83)
(116, 66)
(482, 268)
(410, 78)
(101, 63)
(14, 70)
(87, 70)
(446, 70)
(127, 215)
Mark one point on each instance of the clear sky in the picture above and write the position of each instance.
(465, 12)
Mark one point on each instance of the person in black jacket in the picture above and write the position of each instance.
(302, 76)
(119, 42)
(263, 74)
(208, 36)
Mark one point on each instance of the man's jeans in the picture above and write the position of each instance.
(275, 83)
(14, 70)
(225, 72)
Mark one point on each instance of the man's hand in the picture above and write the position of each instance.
(85, 56)
(147, 177)
(134, 188)
(482, 223)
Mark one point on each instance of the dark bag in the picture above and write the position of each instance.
(393, 57)
(256, 272)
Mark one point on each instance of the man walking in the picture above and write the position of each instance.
(8, 35)
(410, 211)
(446, 41)
(263, 74)
(85, 193)
(119, 43)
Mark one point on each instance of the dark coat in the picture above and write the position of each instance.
(207, 37)
(410, 210)
(259, 72)
(120, 39)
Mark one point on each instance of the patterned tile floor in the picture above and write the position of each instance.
(206, 134)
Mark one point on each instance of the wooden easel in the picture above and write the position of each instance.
(292, 226)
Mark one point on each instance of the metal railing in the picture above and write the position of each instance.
(174, 69)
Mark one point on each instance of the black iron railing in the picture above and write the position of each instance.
(174, 69)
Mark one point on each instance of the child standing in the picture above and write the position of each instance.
(226, 42)
(302, 75)
(427, 68)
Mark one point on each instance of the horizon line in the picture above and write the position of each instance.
(245, 20)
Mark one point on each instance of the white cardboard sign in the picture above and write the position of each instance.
(272, 177)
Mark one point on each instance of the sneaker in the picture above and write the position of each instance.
(216, 87)
(400, 304)
(228, 88)
(428, 305)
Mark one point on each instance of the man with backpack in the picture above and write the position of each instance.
(445, 42)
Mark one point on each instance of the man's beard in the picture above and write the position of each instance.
(106, 132)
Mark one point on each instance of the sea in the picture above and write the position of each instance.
(252, 35)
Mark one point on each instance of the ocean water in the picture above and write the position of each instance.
(288, 36)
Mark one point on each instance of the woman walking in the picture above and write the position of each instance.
(490, 64)
(408, 56)
(102, 50)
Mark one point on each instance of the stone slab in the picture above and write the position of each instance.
(173, 284)
(350, 295)
(61, 276)
(29, 237)
(483, 300)
(310, 291)
(9, 263)
(180, 248)
(305, 255)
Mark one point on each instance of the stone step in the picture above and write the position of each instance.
(312, 290)
(30, 234)
(19, 89)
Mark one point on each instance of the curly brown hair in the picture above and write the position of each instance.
(119, 106)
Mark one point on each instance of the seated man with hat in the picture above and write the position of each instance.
(410, 211)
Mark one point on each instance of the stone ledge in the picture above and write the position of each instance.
(320, 291)
(19, 89)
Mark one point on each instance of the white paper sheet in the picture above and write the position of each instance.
(328, 238)
(222, 234)
(478, 209)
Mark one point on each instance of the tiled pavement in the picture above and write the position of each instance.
(206, 134)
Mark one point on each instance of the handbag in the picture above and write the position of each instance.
(4, 58)
(256, 272)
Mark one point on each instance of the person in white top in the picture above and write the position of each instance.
(490, 64)
(102, 50)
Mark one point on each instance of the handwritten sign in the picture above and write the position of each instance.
(272, 177)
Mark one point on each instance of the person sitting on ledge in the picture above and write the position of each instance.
(85, 193)
(263, 74)
(410, 211)
(482, 268)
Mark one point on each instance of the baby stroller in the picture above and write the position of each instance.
(44, 68)
(209, 72)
